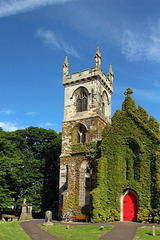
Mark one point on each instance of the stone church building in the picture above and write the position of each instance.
(109, 168)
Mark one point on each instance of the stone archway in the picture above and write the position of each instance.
(129, 205)
(86, 182)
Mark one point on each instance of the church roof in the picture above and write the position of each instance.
(139, 116)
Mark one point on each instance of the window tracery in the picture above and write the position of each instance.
(82, 100)
(81, 134)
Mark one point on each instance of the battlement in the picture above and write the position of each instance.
(82, 73)
(98, 74)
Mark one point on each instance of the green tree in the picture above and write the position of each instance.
(29, 168)
(10, 176)
(39, 150)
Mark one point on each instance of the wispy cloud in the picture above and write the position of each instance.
(53, 41)
(45, 125)
(48, 38)
(8, 126)
(7, 111)
(139, 46)
(69, 49)
(13, 7)
(32, 114)
(49, 124)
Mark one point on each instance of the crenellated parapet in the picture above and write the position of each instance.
(90, 75)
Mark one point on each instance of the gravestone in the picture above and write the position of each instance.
(29, 211)
(26, 213)
(48, 219)
(24, 210)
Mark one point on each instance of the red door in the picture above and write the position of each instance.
(130, 207)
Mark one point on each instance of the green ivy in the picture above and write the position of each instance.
(130, 158)
(84, 147)
(149, 215)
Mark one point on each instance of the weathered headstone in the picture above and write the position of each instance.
(29, 211)
(26, 213)
(48, 219)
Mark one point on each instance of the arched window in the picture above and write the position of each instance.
(81, 134)
(132, 160)
(105, 103)
(86, 182)
(82, 99)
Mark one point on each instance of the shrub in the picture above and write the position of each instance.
(149, 215)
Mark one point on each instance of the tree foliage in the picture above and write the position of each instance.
(29, 168)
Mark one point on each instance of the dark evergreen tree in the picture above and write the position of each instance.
(31, 168)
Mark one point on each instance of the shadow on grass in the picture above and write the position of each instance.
(150, 234)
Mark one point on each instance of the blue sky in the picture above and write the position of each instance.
(35, 36)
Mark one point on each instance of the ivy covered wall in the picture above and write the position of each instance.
(80, 152)
(130, 159)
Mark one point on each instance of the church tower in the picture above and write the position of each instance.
(87, 109)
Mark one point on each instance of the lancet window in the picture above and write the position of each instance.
(105, 103)
(82, 100)
(81, 134)
(86, 184)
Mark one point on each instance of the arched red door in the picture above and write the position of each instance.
(130, 207)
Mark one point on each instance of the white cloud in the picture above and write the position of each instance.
(13, 7)
(135, 47)
(44, 125)
(69, 49)
(48, 38)
(7, 111)
(56, 42)
(32, 113)
(8, 126)
(49, 124)
(140, 46)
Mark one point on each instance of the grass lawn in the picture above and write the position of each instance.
(77, 232)
(12, 231)
(146, 234)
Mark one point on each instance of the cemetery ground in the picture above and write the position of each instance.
(13, 230)
(77, 232)
(147, 234)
